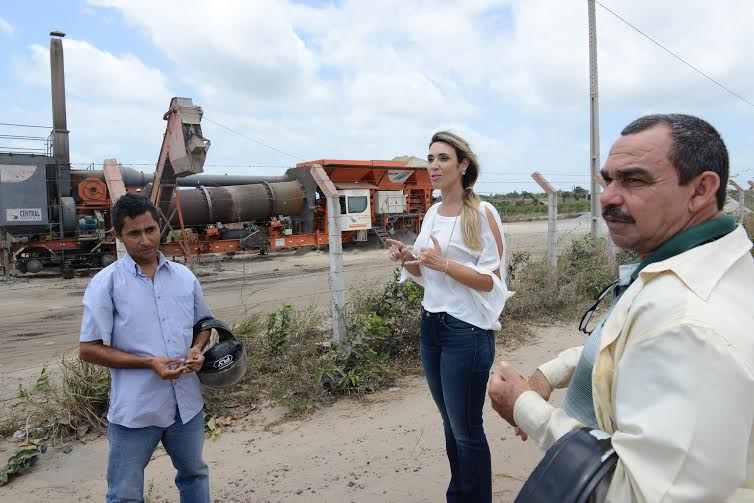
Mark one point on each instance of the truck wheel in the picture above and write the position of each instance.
(34, 266)
(21, 266)
(67, 273)
(107, 259)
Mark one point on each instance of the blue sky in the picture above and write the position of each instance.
(373, 80)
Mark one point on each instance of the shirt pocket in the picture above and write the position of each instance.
(181, 311)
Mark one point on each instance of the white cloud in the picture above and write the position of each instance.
(95, 75)
(243, 50)
(6, 27)
(545, 63)
(359, 79)
(125, 131)
(114, 102)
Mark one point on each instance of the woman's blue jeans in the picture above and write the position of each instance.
(457, 358)
(132, 448)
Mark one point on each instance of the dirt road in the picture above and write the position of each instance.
(41, 317)
(387, 447)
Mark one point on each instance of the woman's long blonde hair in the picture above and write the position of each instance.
(470, 222)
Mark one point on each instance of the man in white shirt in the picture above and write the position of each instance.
(670, 375)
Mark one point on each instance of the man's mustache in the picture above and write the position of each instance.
(615, 213)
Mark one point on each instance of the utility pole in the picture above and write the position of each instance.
(116, 188)
(594, 122)
(612, 252)
(552, 229)
(741, 201)
(337, 282)
(5, 251)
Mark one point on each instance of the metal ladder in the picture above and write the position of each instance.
(381, 233)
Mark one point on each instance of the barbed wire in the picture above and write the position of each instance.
(510, 235)
(347, 268)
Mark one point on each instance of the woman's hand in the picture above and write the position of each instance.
(399, 252)
(431, 258)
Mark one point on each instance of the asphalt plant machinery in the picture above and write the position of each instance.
(52, 215)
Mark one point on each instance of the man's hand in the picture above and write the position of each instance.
(398, 252)
(504, 389)
(194, 360)
(167, 368)
(431, 257)
(539, 383)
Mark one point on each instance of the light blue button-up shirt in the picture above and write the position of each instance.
(132, 313)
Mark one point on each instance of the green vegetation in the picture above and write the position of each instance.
(293, 363)
(26, 456)
(59, 412)
(526, 205)
(581, 273)
(749, 226)
(75, 407)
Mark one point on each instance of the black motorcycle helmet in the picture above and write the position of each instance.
(225, 362)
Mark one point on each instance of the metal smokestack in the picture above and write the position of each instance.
(59, 122)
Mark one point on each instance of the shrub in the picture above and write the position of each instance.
(581, 273)
(748, 224)
(382, 337)
(75, 407)
(279, 327)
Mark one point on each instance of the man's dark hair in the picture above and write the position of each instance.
(131, 206)
(697, 147)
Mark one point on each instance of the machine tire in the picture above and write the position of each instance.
(34, 266)
(21, 266)
(107, 259)
(67, 273)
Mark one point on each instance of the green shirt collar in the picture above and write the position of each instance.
(687, 239)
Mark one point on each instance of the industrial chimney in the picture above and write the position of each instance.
(59, 123)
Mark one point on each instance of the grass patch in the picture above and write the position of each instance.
(748, 224)
(57, 411)
(75, 406)
(10, 424)
(293, 362)
(582, 271)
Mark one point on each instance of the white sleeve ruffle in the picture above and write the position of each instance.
(491, 302)
(405, 276)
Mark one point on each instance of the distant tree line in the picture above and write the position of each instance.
(525, 203)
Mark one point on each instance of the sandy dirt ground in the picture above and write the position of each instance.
(386, 447)
(40, 317)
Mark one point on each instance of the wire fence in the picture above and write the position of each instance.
(530, 237)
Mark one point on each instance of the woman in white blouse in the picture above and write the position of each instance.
(458, 258)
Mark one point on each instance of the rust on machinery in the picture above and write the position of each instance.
(92, 190)
(182, 153)
(218, 213)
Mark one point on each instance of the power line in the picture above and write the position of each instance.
(286, 166)
(127, 164)
(676, 56)
(24, 125)
(299, 158)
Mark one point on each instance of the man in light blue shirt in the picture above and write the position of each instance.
(139, 315)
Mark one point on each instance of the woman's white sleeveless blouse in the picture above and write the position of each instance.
(444, 294)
